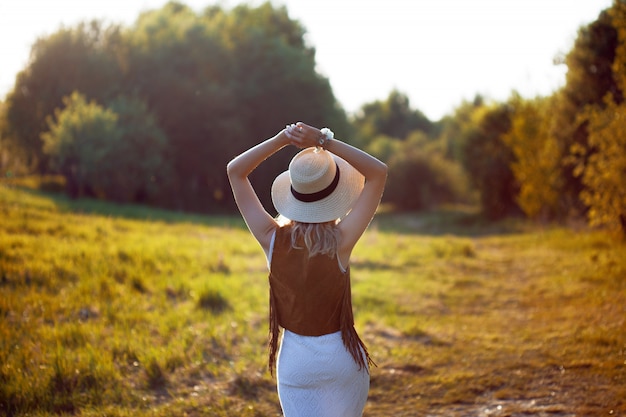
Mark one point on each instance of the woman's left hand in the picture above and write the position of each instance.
(302, 135)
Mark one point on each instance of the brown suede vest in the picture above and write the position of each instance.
(310, 296)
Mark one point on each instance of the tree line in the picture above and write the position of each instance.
(151, 113)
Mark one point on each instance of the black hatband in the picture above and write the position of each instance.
(319, 195)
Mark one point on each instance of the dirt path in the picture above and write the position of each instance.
(539, 407)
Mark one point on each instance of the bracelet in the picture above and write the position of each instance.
(326, 135)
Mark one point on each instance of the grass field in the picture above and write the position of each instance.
(126, 311)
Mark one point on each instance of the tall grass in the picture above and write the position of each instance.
(119, 311)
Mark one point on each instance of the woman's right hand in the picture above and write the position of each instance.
(302, 135)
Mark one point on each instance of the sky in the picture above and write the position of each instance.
(437, 52)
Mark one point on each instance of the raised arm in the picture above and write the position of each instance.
(374, 171)
(259, 221)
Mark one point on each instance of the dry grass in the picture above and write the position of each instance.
(120, 311)
(524, 323)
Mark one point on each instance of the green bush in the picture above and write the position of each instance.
(114, 153)
(421, 180)
(213, 301)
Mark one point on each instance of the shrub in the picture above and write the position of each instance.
(114, 153)
(213, 301)
(422, 180)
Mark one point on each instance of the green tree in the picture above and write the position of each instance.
(588, 79)
(113, 153)
(421, 174)
(240, 75)
(178, 66)
(393, 118)
(76, 142)
(276, 82)
(604, 174)
(138, 169)
(604, 170)
(83, 58)
(384, 147)
(454, 128)
(216, 81)
(421, 178)
(487, 160)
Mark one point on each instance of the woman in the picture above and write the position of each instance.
(325, 202)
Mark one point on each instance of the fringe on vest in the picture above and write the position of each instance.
(351, 340)
(350, 337)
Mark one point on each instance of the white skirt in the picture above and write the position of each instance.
(317, 377)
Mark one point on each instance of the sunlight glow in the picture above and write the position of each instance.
(438, 52)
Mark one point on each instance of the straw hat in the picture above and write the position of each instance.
(318, 187)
